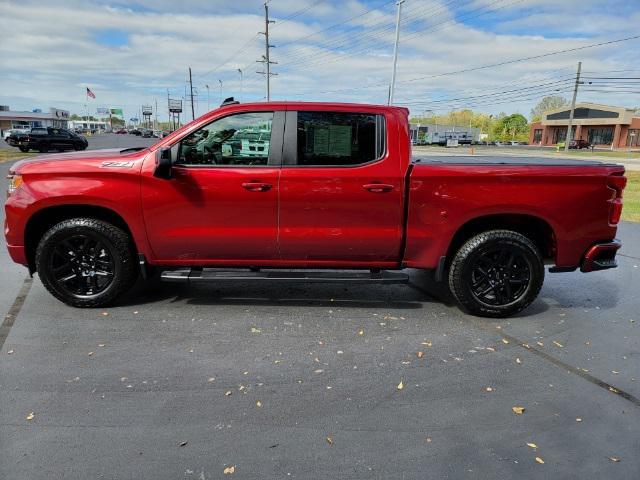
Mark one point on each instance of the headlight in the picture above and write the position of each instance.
(15, 181)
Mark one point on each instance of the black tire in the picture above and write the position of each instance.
(24, 149)
(86, 262)
(496, 273)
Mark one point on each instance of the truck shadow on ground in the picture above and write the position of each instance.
(419, 291)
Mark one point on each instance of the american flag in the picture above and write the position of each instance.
(90, 93)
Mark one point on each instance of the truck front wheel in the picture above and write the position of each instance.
(86, 262)
(496, 273)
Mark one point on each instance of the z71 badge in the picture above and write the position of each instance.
(114, 164)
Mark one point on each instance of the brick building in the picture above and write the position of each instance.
(600, 125)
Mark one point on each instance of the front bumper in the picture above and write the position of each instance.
(18, 254)
(601, 256)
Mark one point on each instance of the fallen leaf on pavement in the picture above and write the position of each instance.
(318, 371)
(518, 361)
(540, 344)
(491, 349)
(228, 393)
(539, 460)
(31, 416)
(183, 444)
(489, 389)
(101, 344)
(578, 419)
(330, 440)
(90, 354)
(518, 410)
(614, 459)
(428, 344)
(105, 314)
(255, 330)
(532, 445)
(558, 344)
(420, 354)
(505, 341)
(400, 385)
(361, 332)
(229, 470)
(9, 352)
(259, 404)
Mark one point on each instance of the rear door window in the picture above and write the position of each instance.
(339, 138)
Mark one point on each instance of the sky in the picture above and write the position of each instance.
(136, 52)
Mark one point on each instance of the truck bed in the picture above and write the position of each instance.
(502, 160)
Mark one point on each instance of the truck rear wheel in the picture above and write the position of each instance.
(86, 262)
(496, 274)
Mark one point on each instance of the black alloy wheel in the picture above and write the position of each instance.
(86, 262)
(496, 273)
(82, 265)
(499, 276)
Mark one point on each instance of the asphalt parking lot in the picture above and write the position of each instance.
(301, 381)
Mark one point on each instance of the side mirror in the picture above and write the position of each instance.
(163, 163)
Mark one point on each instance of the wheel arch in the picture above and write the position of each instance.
(538, 230)
(44, 219)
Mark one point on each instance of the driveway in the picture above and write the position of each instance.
(323, 381)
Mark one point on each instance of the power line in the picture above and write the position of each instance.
(322, 58)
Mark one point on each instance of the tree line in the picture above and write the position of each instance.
(501, 127)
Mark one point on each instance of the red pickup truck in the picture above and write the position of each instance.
(311, 192)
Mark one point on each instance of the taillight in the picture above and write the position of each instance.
(617, 184)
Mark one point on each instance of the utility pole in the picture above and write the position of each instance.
(395, 52)
(193, 112)
(208, 103)
(240, 72)
(156, 113)
(573, 108)
(265, 58)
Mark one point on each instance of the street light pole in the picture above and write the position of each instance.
(221, 96)
(395, 52)
(208, 103)
(240, 72)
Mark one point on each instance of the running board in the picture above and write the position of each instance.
(216, 275)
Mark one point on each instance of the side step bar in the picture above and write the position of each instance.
(198, 275)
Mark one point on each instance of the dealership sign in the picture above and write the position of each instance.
(175, 106)
(116, 111)
(147, 110)
(102, 111)
(61, 114)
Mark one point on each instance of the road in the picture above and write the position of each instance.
(302, 382)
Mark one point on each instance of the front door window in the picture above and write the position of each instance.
(237, 140)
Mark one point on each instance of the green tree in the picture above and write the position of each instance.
(511, 127)
(546, 104)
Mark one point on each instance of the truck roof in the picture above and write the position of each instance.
(319, 105)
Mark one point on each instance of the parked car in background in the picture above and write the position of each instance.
(270, 186)
(122, 131)
(44, 139)
(579, 144)
(158, 134)
(7, 133)
(135, 131)
(146, 133)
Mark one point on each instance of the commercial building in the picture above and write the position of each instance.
(55, 117)
(600, 125)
